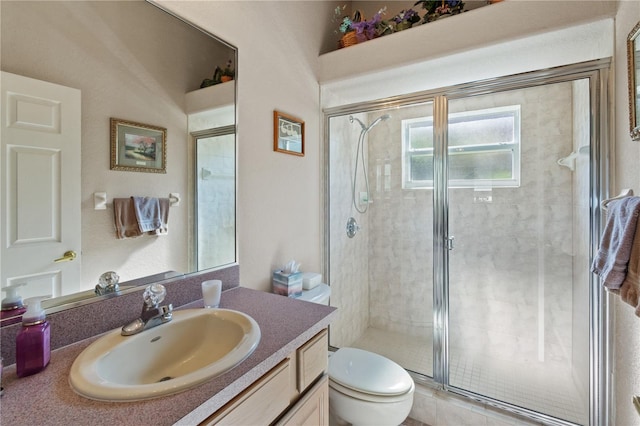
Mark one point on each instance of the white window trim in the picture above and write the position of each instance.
(514, 182)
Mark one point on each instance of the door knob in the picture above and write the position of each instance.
(67, 257)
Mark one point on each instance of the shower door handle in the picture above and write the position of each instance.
(449, 242)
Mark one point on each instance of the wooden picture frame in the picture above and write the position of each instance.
(288, 134)
(137, 147)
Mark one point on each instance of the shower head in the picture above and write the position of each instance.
(376, 121)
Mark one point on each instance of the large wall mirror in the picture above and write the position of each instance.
(131, 61)
(633, 54)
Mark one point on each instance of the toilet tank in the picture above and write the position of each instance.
(319, 294)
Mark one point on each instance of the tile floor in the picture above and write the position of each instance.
(549, 391)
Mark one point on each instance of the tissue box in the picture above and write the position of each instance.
(289, 285)
(310, 280)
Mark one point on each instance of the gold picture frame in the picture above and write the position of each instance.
(137, 147)
(288, 134)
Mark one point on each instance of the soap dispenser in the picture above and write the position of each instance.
(33, 342)
(12, 306)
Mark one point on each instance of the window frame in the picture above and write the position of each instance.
(514, 147)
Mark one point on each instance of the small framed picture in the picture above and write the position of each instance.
(137, 147)
(288, 134)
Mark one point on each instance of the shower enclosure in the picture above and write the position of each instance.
(468, 257)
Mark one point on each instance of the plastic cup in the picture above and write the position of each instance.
(211, 291)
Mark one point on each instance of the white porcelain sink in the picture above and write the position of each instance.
(195, 346)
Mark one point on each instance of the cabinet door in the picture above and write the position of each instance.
(312, 360)
(312, 409)
(260, 404)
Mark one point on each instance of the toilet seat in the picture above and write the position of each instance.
(366, 375)
(362, 396)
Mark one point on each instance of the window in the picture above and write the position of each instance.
(484, 149)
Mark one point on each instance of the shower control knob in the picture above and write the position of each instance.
(352, 227)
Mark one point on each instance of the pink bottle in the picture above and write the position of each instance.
(12, 307)
(33, 342)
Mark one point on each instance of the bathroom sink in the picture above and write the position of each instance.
(195, 346)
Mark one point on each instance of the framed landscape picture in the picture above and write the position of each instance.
(137, 147)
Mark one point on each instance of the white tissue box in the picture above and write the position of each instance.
(310, 280)
(287, 284)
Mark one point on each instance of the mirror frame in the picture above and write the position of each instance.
(634, 97)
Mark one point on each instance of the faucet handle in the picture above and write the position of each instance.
(154, 294)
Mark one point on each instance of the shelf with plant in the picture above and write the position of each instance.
(357, 29)
(220, 75)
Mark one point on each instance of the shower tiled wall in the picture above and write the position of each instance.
(401, 247)
(349, 257)
(511, 271)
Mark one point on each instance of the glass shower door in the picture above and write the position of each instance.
(518, 282)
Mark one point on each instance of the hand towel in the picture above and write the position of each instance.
(611, 261)
(125, 218)
(148, 213)
(630, 288)
(163, 229)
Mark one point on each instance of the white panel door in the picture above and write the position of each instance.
(40, 193)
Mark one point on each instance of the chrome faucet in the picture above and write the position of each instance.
(108, 283)
(152, 314)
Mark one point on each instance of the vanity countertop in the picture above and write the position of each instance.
(47, 398)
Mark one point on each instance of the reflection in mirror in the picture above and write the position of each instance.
(215, 197)
(633, 54)
(129, 60)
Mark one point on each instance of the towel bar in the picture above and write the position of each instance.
(627, 192)
(100, 200)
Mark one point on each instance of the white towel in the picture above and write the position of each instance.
(163, 229)
(611, 261)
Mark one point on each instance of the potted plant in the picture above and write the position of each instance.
(348, 37)
(440, 8)
(228, 73)
(220, 75)
(371, 28)
(405, 19)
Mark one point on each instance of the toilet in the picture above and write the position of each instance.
(364, 388)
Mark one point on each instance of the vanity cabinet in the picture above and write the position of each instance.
(294, 392)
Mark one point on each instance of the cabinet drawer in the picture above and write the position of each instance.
(312, 360)
(260, 404)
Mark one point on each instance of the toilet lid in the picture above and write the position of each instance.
(319, 294)
(367, 372)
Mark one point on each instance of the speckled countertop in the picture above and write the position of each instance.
(47, 398)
